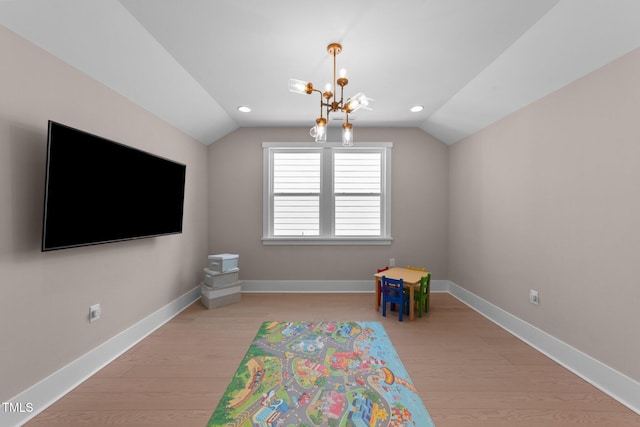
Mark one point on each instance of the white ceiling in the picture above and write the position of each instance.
(193, 62)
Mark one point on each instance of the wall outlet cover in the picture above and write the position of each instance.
(533, 297)
(94, 312)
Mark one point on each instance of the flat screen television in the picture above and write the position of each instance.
(100, 191)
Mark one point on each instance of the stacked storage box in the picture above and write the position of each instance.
(221, 285)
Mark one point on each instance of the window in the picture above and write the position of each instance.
(326, 194)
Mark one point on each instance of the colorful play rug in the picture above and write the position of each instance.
(344, 374)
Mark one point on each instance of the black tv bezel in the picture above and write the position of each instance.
(52, 123)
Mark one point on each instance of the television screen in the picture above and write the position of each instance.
(99, 191)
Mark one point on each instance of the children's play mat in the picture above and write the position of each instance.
(321, 374)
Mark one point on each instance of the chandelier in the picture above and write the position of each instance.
(329, 103)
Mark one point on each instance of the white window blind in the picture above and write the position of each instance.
(296, 194)
(357, 192)
(327, 194)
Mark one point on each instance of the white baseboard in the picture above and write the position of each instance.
(322, 286)
(617, 385)
(44, 393)
(306, 286)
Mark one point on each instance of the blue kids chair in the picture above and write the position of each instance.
(393, 292)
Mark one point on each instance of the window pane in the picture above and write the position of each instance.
(357, 172)
(357, 216)
(296, 172)
(296, 215)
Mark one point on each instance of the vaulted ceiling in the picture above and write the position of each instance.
(193, 62)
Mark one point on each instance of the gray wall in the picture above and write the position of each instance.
(549, 199)
(419, 175)
(45, 297)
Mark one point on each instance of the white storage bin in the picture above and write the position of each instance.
(228, 294)
(223, 262)
(215, 279)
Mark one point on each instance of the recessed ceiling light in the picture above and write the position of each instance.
(244, 109)
(416, 108)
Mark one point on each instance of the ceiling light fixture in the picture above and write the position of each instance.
(416, 108)
(244, 109)
(329, 102)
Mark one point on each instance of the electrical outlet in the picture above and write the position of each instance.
(392, 262)
(94, 312)
(533, 297)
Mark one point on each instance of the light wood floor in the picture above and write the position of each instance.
(468, 371)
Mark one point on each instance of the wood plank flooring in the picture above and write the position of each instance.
(468, 371)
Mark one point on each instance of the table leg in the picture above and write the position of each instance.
(377, 296)
(411, 302)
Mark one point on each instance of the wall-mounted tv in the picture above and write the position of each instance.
(100, 191)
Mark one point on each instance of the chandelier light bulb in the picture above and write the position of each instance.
(347, 134)
(320, 130)
(358, 101)
(300, 86)
(296, 85)
(321, 133)
(318, 133)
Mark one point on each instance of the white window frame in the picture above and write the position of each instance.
(327, 209)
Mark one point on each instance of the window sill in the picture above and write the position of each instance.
(336, 241)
